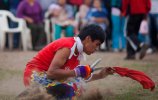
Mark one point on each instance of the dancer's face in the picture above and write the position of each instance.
(90, 46)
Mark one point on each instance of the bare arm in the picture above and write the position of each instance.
(55, 71)
(102, 74)
(28, 19)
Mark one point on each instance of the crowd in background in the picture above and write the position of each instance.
(116, 17)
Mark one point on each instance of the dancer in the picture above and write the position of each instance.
(59, 61)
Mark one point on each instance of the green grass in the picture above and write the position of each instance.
(135, 93)
(132, 91)
(141, 67)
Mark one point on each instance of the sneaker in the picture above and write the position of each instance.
(143, 50)
(149, 51)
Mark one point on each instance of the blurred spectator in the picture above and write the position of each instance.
(76, 4)
(4, 4)
(137, 10)
(68, 8)
(98, 15)
(107, 5)
(13, 8)
(154, 24)
(83, 12)
(45, 4)
(144, 35)
(31, 11)
(144, 31)
(14, 5)
(11, 5)
(118, 38)
(62, 18)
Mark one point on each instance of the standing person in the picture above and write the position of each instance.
(60, 61)
(154, 24)
(144, 31)
(118, 38)
(31, 11)
(107, 5)
(136, 9)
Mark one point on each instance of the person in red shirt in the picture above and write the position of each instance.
(137, 10)
(60, 60)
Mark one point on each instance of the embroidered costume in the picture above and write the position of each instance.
(36, 68)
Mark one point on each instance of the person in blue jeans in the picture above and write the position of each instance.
(118, 38)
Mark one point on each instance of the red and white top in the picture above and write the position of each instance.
(43, 59)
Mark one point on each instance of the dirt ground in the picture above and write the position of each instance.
(12, 64)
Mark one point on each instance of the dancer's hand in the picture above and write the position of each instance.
(83, 71)
(106, 71)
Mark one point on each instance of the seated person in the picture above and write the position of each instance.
(98, 15)
(31, 11)
(82, 13)
(62, 19)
